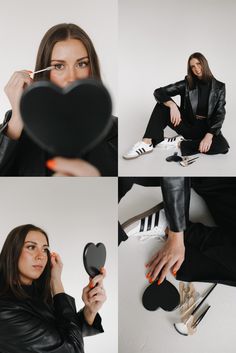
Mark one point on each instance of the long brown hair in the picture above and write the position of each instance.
(206, 72)
(58, 33)
(9, 271)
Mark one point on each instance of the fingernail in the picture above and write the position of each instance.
(174, 273)
(91, 285)
(102, 269)
(150, 280)
(158, 282)
(51, 164)
(148, 275)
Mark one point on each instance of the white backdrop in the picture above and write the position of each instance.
(155, 40)
(73, 211)
(23, 24)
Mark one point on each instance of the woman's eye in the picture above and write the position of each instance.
(59, 66)
(83, 64)
(31, 247)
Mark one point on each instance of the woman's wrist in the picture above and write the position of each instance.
(89, 315)
(57, 287)
(14, 127)
(209, 134)
(178, 236)
(170, 104)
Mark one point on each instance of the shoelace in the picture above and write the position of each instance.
(152, 236)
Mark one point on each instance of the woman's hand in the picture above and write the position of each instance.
(72, 167)
(14, 89)
(56, 271)
(169, 257)
(206, 142)
(175, 116)
(94, 296)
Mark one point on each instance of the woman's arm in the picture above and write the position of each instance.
(8, 148)
(14, 89)
(164, 94)
(93, 296)
(176, 197)
(218, 115)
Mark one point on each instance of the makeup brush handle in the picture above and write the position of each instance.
(199, 319)
(201, 302)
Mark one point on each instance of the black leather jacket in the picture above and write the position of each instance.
(189, 101)
(176, 198)
(25, 158)
(32, 326)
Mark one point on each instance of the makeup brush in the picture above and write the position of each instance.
(46, 69)
(199, 319)
(182, 327)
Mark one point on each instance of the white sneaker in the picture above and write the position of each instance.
(171, 142)
(148, 225)
(138, 149)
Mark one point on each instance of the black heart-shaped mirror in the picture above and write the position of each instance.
(94, 258)
(66, 122)
(164, 296)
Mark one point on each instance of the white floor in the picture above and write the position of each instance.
(141, 331)
(155, 164)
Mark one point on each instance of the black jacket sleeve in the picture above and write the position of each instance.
(176, 198)
(24, 330)
(164, 94)
(216, 119)
(105, 155)
(8, 147)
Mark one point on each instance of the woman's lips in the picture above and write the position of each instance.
(38, 267)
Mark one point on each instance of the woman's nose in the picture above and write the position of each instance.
(41, 254)
(71, 75)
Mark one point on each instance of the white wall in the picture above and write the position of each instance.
(73, 211)
(23, 24)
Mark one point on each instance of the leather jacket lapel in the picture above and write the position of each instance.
(193, 96)
(212, 97)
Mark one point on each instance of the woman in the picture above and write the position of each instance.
(197, 121)
(192, 251)
(70, 52)
(36, 315)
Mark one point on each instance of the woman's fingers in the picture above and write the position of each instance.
(177, 266)
(148, 264)
(97, 298)
(72, 167)
(95, 291)
(164, 272)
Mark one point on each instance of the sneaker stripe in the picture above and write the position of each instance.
(149, 222)
(142, 224)
(157, 219)
(137, 151)
(143, 150)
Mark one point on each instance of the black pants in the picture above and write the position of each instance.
(193, 132)
(209, 255)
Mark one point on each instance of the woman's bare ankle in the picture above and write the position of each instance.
(147, 141)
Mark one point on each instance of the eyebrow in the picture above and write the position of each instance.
(63, 61)
(35, 243)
